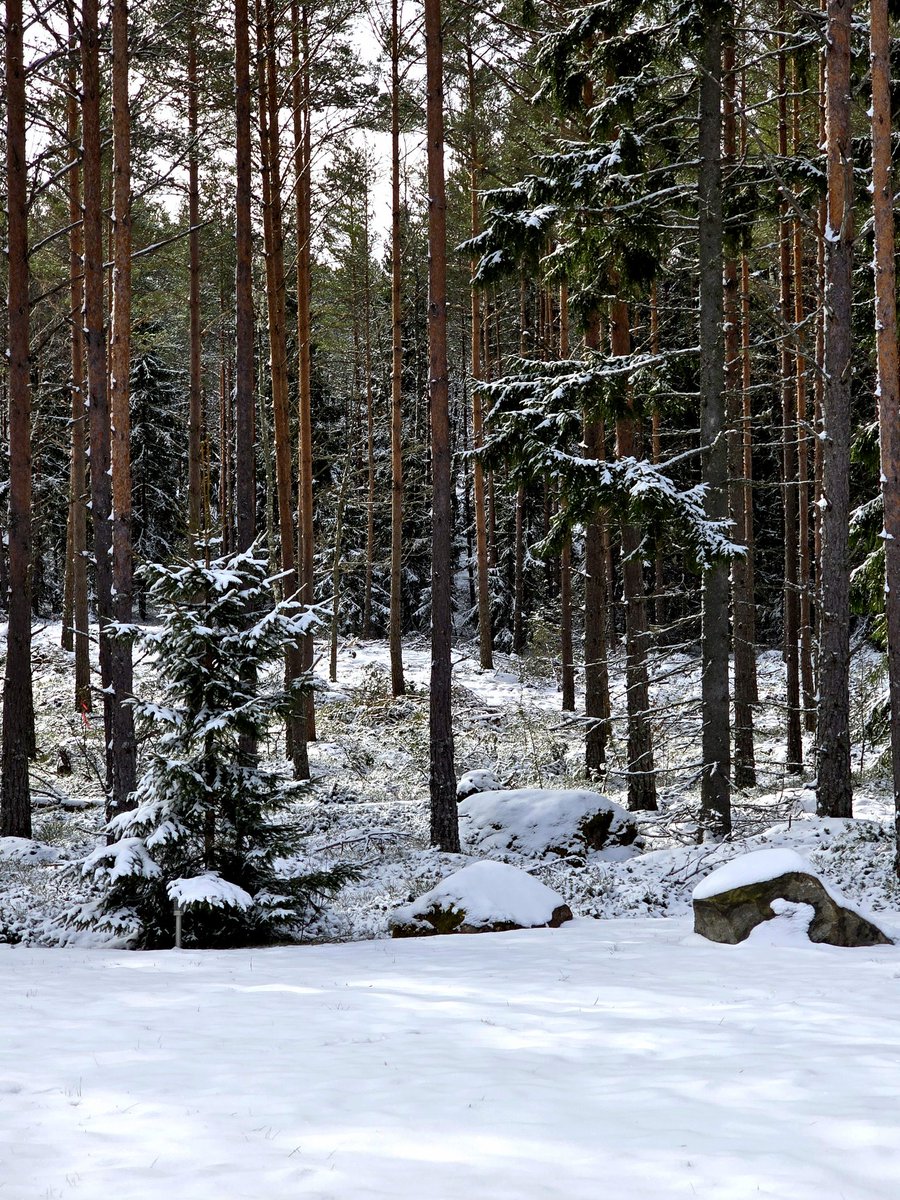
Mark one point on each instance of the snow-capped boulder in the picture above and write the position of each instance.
(537, 822)
(477, 781)
(26, 850)
(485, 897)
(731, 902)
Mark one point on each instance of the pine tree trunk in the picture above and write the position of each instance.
(804, 576)
(124, 746)
(15, 796)
(744, 649)
(273, 227)
(715, 787)
(444, 818)
(195, 413)
(835, 794)
(596, 598)
(641, 769)
(398, 685)
(566, 648)
(370, 423)
(245, 409)
(485, 636)
(888, 369)
(78, 482)
(302, 123)
(95, 345)
(791, 643)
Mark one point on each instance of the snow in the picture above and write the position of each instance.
(533, 821)
(25, 850)
(614, 1058)
(488, 893)
(477, 781)
(756, 867)
(211, 889)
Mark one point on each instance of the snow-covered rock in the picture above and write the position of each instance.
(753, 888)
(25, 850)
(481, 898)
(477, 781)
(537, 822)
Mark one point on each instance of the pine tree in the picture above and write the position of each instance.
(211, 826)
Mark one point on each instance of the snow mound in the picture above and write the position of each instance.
(25, 850)
(536, 823)
(477, 781)
(789, 927)
(482, 896)
(757, 867)
(209, 889)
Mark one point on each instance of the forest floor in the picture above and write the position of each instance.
(622, 1057)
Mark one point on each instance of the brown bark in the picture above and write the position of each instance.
(273, 226)
(245, 409)
(596, 597)
(398, 685)
(195, 411)
(124, 747)
(742, 599)
(835, 793)
(78, 482)
(15, 797)
(444, 819)
(95, 346)
(370, 421)
(641, 769)
(565, 564)
(794, 758)
(804, 575)
(485, 636)
(302, 124)
(888, 368)
(715, 783)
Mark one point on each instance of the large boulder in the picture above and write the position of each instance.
(731, 902)
(486, 897)
(536, 823)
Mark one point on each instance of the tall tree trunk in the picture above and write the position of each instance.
(565, 564)
(273, 227)
(485, 636)
(195, 415)
(302, 122)
(835, 793)
(444, 819)
(715, 787)
(659, 582)
(641, 769)
(245, 409)
(804, 575)
(15, 796)
(748, 609)
(95, 345)
(370, 422)
(395, 629)
(742, 601)
(124, 746)
(888, 369)
(791, 643)
(78, 483)
(596, 598)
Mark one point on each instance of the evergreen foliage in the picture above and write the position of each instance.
(212, 827)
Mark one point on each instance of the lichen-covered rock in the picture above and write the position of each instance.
(479, 780)
(486, 897)
(731, 902)
(537, 822)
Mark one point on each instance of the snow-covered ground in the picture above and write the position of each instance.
(618, 1057)
(625, 1059)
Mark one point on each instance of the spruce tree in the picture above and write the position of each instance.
(211, 827)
